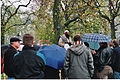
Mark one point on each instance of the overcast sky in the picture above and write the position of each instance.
(24, 2)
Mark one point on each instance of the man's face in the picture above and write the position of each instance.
(16, 44)
(100, 44)
(67, 33)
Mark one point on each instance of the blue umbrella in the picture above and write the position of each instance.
(94, 45)
(54, 55)
(93, 37)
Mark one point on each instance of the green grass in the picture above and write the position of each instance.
(3, 76)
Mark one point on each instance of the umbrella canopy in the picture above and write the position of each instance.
(94, 45)
(54, 55)
(95, 38)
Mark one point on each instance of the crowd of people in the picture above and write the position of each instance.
(80, 61)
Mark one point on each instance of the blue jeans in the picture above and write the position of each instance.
(116, 75)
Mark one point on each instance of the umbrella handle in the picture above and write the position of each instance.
(60, 74)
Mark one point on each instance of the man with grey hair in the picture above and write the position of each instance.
(9, 56)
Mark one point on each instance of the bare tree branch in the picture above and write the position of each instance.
(118, 8)
(88, 3)
(111, 4)
(28, 18)
(117, 24)
(116, 3)
(104, 16)
(16, 12)
(6, 9)
(68, 22)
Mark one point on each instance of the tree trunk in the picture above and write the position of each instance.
(56, 21)
(2, 35)
(112, 25)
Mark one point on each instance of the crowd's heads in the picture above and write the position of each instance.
(67, 33)
(115, 42)
(28, 39)
(14, 39)
(103, 44)
(15, 42)
(86, 44)
(77, 38)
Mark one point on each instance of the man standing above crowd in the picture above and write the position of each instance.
(78, 61)
(65, 39)
(9, 55)
(27, 64)
(116, 59)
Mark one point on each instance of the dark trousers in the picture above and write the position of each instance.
(51, 73)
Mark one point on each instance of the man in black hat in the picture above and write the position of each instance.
(8, 57)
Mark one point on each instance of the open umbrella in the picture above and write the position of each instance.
(54, 55)
(94, 45)
(94, 37)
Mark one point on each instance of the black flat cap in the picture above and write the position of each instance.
(14, 39)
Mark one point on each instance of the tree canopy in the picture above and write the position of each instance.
(47, 19)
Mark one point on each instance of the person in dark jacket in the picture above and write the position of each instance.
(27, 64)
(4, 48)
(8, 57)
(78, 61)
(104, 61)
(116, 59)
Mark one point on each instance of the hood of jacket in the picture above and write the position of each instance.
(78, 49)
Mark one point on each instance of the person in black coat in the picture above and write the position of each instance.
(27, 64)
(104, 61)
(9, 55)
(116, 59)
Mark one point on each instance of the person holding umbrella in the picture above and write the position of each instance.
(104, 61)
(102, 58)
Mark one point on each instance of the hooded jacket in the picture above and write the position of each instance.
(78, 63)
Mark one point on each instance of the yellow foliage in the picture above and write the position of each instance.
(81, 3)
(69, 8)
(92, 28)
(90, 15)
(55, 13)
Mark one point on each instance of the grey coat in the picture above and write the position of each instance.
(79, 63)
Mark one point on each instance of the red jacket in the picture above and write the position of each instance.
(2, 65)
